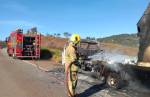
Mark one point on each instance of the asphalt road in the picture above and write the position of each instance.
(19, 79)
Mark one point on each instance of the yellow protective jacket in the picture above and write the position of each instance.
(70, 57)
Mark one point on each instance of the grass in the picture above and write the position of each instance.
(3, 43)
(56, 53)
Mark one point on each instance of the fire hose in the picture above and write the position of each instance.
(67, 80)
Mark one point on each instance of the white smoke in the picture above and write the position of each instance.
(114, 59)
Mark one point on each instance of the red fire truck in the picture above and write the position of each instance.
(21, 45)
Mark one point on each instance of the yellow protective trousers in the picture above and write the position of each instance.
(71, 79)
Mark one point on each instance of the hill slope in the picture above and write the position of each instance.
(123, 39)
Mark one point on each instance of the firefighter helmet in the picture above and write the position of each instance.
(75, 38)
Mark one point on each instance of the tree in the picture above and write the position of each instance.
(90, 38)
(67, 34)
(47, 34)
(58, 34)
(93, 38)
(55, 34)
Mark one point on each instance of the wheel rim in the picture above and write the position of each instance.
(113, 81)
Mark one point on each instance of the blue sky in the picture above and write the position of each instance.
(95, 18)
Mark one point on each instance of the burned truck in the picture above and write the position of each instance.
(20, 45)
(87, 48)
(143, 26)
(100, 68)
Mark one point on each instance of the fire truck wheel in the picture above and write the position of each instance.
(9, 55)
(113, 81)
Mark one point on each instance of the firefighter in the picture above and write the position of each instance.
(71, 66)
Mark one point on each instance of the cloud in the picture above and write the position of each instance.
(14, 6)
(19, 23)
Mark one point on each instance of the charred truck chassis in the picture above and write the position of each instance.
(109, 76)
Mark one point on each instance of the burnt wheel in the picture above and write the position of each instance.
(113, 81)
(83, 67)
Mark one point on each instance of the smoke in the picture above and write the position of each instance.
(114, 59)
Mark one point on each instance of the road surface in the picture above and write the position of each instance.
(19, 79)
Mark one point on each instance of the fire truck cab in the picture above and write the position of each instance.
(21, 45)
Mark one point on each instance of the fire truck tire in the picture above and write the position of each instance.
(9, 55)
(113, 81)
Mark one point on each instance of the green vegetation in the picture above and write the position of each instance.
(67, 34)
(123, 39)
(3, 43)
(56, 54)
(51, 53)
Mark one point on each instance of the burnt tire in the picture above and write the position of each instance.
(85, 67)
(114, 81)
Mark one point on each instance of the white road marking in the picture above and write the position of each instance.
(35, 65)
(29, 63)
